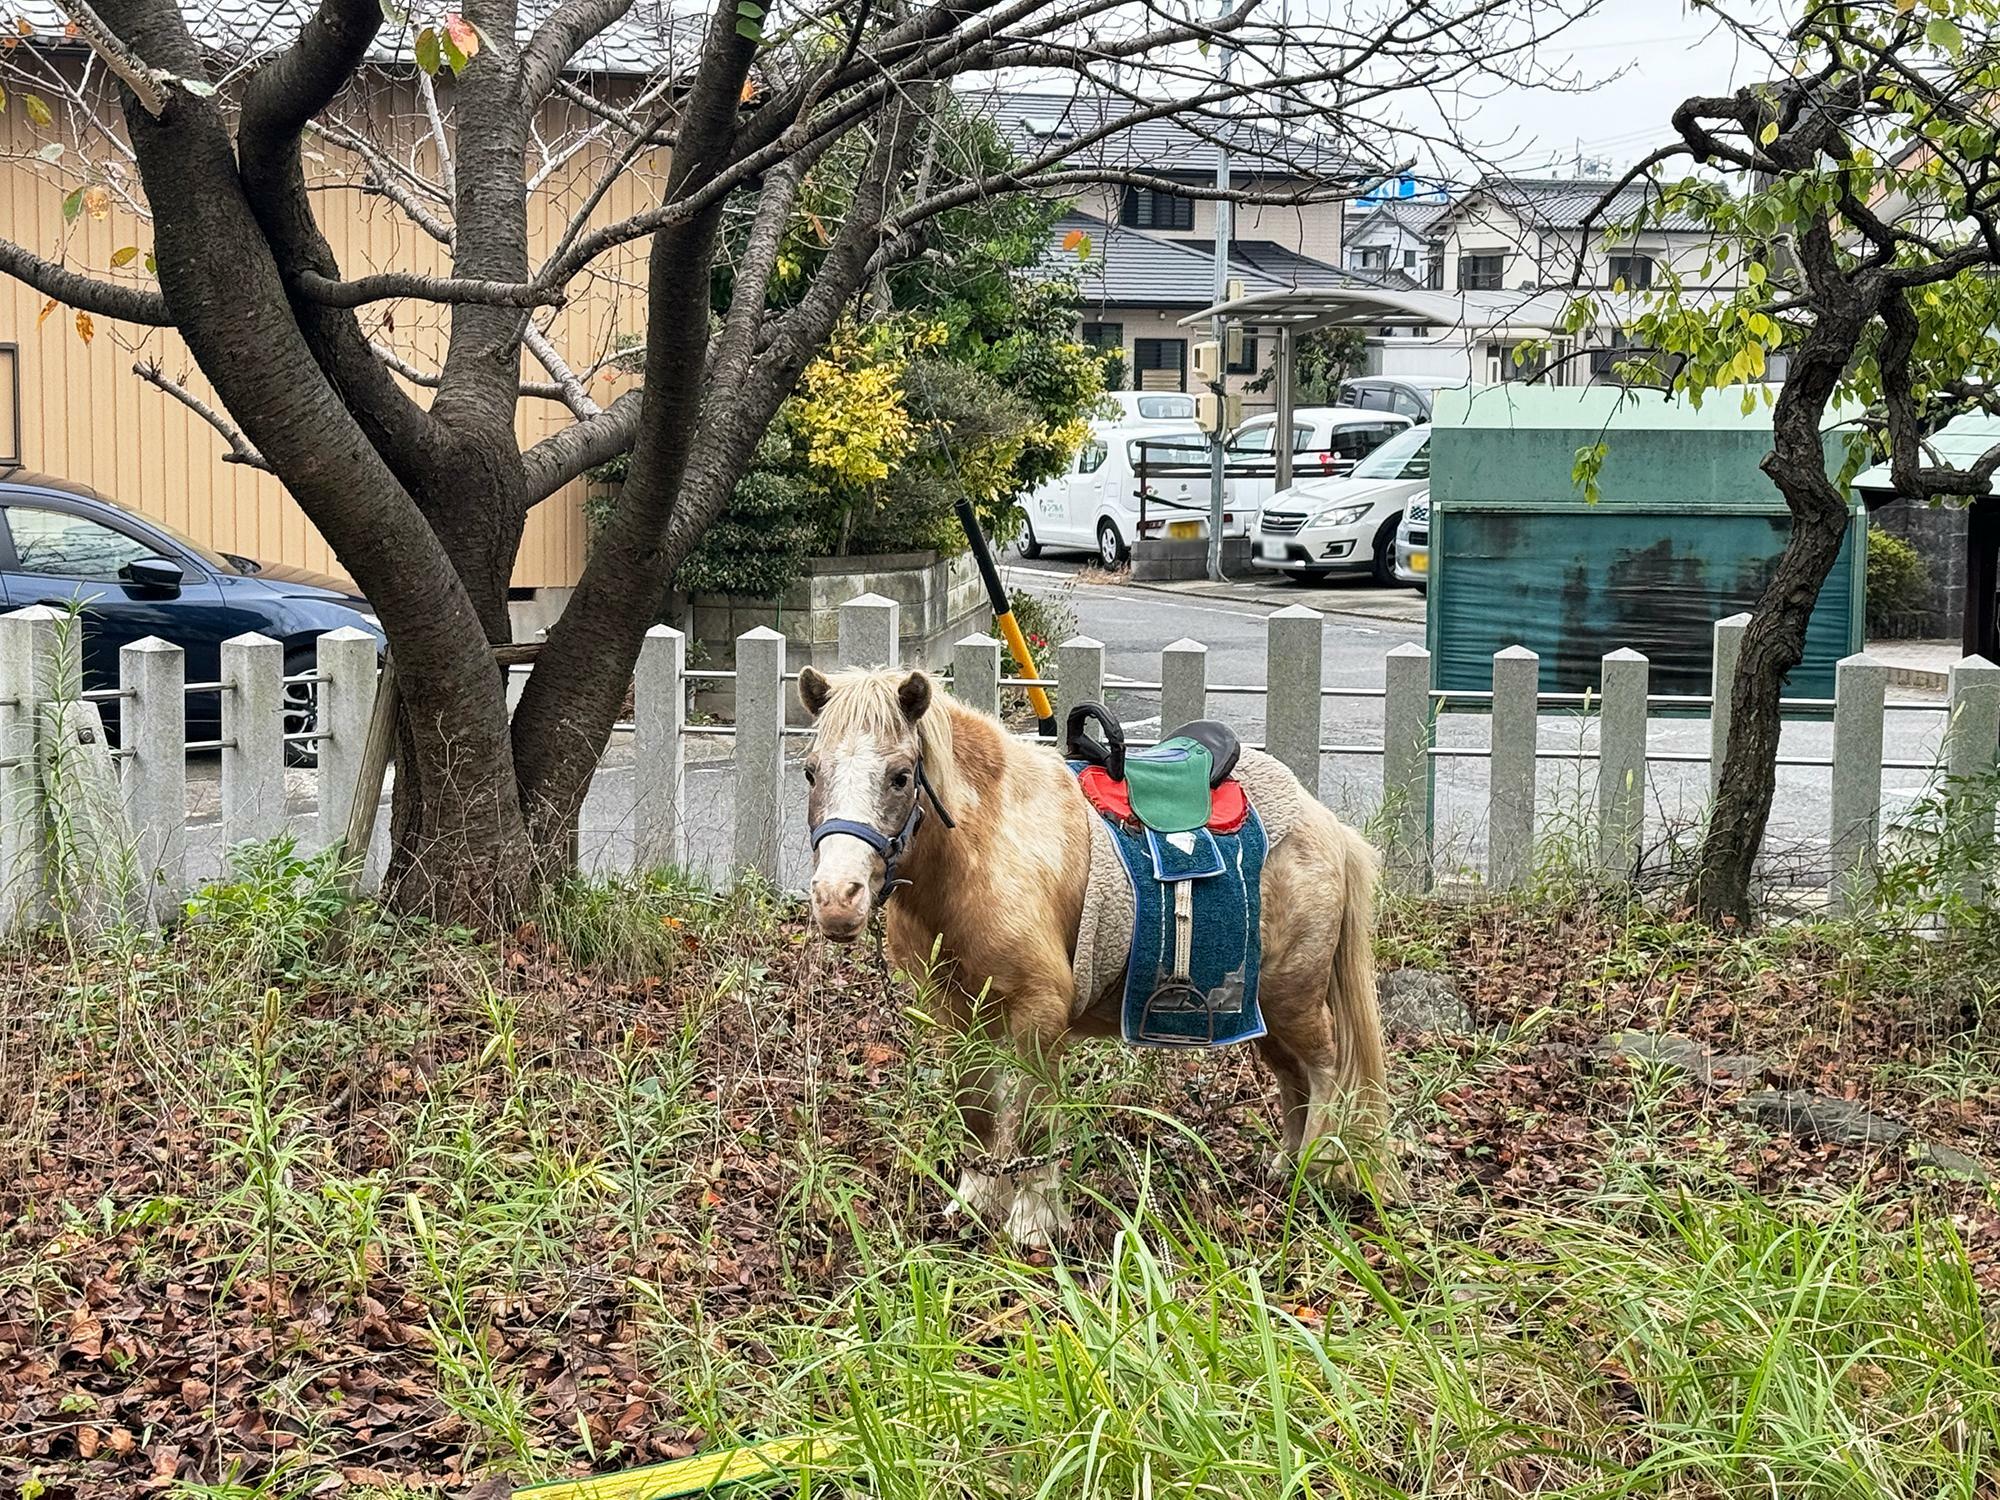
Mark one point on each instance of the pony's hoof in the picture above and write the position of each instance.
(1037, 1219)
(982, 1195)
(1280, 1167)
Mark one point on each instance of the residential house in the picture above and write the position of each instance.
(1150, 257)
(1523, 236)
(1396, 235)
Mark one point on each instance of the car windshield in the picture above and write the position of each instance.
(1165, 408)
(222, 562)
(1407, 455)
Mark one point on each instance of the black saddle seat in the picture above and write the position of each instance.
(1223, 747)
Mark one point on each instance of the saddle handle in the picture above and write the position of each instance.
(1108, 753)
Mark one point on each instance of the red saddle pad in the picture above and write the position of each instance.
(1228, 807)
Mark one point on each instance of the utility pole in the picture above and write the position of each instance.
(1217, 481)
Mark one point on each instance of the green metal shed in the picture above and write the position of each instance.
(1685, 531)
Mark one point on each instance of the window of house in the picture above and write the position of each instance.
(1636, 271)
(1409, 260)
(1149, 208)
(56, 544)
(1161, 364)
(1434, 274)
(1502, 369)
(1246, 363)
(1104, 335)
(1371, 257)
(1482, 272)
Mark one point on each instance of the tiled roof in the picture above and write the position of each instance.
(1033, 122)
(1565, 202)
(1131, 268)
(637, 43)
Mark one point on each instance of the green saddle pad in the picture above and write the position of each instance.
(1168, 785)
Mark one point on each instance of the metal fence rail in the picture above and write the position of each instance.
(39, 653)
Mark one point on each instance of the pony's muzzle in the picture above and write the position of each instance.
(840, 906)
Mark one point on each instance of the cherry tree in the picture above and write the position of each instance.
(224, 137)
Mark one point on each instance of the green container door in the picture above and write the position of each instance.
(1686, 531)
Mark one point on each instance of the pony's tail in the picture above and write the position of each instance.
(1357, 1021)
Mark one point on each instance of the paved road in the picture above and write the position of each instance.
(1136, 623)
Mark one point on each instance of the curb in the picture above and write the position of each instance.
(1920, 677)
(1267, 601)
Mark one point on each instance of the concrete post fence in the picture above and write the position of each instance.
(1424, 765)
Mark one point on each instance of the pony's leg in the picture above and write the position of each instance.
(1037, 1024)
(1292, 1099)
(981, 1080)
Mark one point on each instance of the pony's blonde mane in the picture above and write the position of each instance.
(862, 704)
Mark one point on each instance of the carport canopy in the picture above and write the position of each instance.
(1504, 315)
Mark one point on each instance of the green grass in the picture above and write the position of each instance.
(665, 1173)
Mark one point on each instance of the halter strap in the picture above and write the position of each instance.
(890, 849)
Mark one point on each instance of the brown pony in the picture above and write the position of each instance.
(998, 890)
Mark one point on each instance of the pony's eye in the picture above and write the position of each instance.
(812, 776)
(900, 781)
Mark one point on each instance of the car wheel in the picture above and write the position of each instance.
(1111, 549)
(301, 709)
(1030, 548)
(1384, 569)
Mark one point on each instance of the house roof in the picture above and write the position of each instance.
(1131, 268)
(1566, 202)
(1417, 218)
(638, 43)
(1033, 122)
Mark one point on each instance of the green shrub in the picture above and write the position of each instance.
(1898, 580)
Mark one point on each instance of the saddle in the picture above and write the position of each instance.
(1192, 853)
(1182, 783)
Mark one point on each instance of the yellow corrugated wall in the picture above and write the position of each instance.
(86, 416)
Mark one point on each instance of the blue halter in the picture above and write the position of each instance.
(890, 849)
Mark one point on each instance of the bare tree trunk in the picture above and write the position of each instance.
(1775, 640)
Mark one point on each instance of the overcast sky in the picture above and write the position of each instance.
(1646, 57)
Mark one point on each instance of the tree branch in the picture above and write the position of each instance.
(104, 299)
(557, 41)
(389, 286)
(241, 449)
(582, 446)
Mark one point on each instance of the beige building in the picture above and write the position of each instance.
(71, 405)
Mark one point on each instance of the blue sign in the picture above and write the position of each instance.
(1405, 190)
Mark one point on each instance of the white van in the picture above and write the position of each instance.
(1327, 441)
(1096, 505)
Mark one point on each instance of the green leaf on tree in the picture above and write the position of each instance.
(428, 52)
(126, 256)
(453, 53)
(752, 31)
(394, 14)
(39, 113)
(73, 205)
(1943, 32)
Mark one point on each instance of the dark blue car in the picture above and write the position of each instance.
(62, 543)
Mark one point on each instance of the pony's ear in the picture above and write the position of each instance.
(914, 693)
(814, 690)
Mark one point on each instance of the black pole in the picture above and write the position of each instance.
(1003, 615)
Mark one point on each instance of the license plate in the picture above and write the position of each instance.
(1271, 551)
(1181, 530)
(1420, 562)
